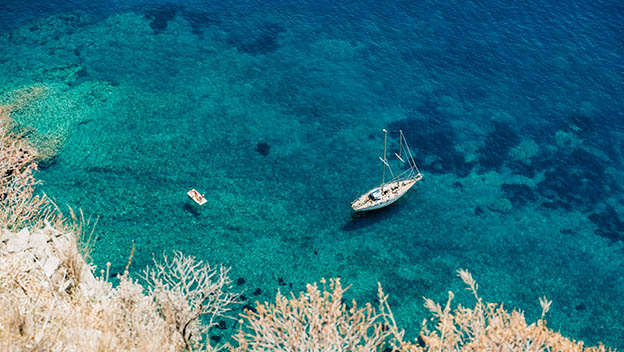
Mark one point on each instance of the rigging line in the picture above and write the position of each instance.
(409, 152)
(413, 162)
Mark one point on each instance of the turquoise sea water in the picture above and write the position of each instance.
(274, 110)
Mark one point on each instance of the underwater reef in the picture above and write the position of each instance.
(52, 298)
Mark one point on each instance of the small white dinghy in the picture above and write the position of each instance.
(390, 192)
(196, 197)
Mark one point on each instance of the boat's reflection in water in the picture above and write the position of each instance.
(363, 219)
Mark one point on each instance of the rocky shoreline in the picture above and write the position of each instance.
(54, 253)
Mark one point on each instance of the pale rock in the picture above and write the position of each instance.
(38, 241)
(7, 235)
(50, 266)
(62, 243)
(26, 259)
(45, 284)
(44, 253)
(86, 274)
(41, 253)
(23, 233)
(19, 243)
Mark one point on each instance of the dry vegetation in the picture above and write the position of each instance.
(190, 295)
(37, 313)
(318, 321)
(489, 327)
(20, 206)
(180, 298)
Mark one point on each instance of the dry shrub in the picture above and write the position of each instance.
(83, 229)
(317, 321)
(190, 295)
(39, 313)
(489, 327)
(124, 318)
(29, 308)
(19, 205)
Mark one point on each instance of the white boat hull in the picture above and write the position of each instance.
(376, 199)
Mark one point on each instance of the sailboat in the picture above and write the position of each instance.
(391, 190)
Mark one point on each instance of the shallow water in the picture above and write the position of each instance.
(514, 113)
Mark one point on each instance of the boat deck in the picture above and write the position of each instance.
(392, 191)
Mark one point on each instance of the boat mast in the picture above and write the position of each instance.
(399, 158)
(385, 162)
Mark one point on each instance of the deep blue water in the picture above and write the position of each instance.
(514, 112)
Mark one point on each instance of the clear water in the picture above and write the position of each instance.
(514, 112)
